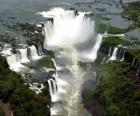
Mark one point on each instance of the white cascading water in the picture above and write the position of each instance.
(104, 59)
(14, 62)
(53, 89)
(117, 35)
(60, 84)
(67, 31)
(24, 57)
(6, 52)
(122, 59)
(109, 53)
(92, 55)
(114, 54)
(18, 56)
(138, 72)
(40, 49)
(133, 62)
(33, 51)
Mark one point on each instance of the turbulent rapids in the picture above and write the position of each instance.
(71, 35)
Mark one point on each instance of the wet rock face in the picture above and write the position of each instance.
(49, 75)
(51, 20)
(76, 12)
(4, 61)
(128, 57)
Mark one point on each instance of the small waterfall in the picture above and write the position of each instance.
(24, 56)
(92, 55)
(58, 68)
(53, 90)
(114, 54)
(40, 51)
(104, 59)
(122, 59)
(54, 86)
(48, 31)
(50, 87)
(96, 47)
(117, 35)
(61, 84)
(18, 56)
(138, 73)
(33, 53)
(133, 62)
(14, 62)
(109, 53)
(6, 51)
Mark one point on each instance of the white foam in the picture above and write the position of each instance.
(114, 54)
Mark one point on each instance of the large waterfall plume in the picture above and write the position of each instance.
(66, 34)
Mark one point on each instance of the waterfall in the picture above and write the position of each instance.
(109, 53)
(50, 87)
(40, 51)
(7, 52)
(61, 84)
(48, 32)
(114, 54)
(117, 35)
(24, 56)
(18, 56)
(12, 61)
(103, 60)
(33, 53)
(122, 59)
(133, 62)
(92, 55)
(15, 60)
(138, 73)
(119, 54)
(54, 86)
(67, 31)
(53, 90)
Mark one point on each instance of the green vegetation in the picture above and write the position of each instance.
(50, 53)
(34, 38)
(2, 113)
(23, 101)
(46, 62)
(132, 12)
(101, 28)
(116, 30)
(113, 41)
(136, 53)
(27, 26)
(31, 31)
(43, 62)
(88, 96)
(117, 93)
